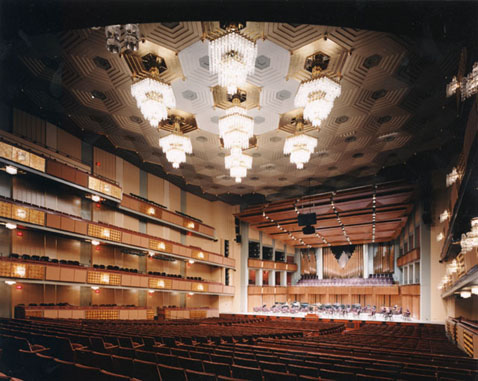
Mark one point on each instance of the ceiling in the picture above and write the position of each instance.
(374, 213)
(392, 106)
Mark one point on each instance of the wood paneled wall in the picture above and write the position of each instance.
(353, 268)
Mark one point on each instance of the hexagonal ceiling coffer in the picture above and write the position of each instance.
(379, 94)
(262, 62)
(259, 119)
(372, 61)
(102, 63)
(223, 101)
(316, 61)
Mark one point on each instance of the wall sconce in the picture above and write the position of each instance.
(200, 287)
(474, 290)
(95, 198)
(151, 211)
(190, 293)
(10, 282)
(191, 225)
(151, 253)
(10, 226)
(150, 292)
(191, 261)
(107, 188)
(465, 294)
(201, 255)
(445, 215)
(94, 288)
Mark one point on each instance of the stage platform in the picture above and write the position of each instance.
(341, 317)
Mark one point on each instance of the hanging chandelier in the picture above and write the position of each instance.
(153, 97)
(469, 240)
(236, 128)
(300, 146)
(232, 57)
(468, 86)
(318, 94)
(122, 37)
(176, 146)
(238, 164)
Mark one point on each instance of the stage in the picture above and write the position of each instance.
(347, 317)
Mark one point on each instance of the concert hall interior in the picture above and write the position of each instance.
(241, 190)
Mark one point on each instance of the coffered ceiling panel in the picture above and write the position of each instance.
(391, 105)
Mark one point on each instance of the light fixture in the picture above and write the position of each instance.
(465, 294)
(300, 146)
(122, 37)
(470, 239)
(444, 215)
(10, 226)
(452, 177)
(452, 267)
(318, 94)
(468, 86)
(238, 164)
(160, 283)
(153, 97)
(151, 211)
(191, 261)
(10, 282)
(94, 288)
(190, 293)
(11, 170)
(95, 198)
(151, 253)
(191, 225)
(176, 146)
(201, 255)
(106, 233)
(105, 278)
(236, 127)
(232, 58)
(161, 246)
(440, 236)
(474, 290)
(200, 287)
(151, 292)
(95, 242)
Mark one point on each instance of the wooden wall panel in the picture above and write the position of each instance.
(156, 189)
(29, 127)
(31, 242)
(107, 164)
(69, 144)
(130, 178)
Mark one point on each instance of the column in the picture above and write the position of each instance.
(272, 278)
(296, 275)
(283, 278)
(259, 274)
(244, 281)
(320, 263)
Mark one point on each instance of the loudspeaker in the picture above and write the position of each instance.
(226, 248)
(307, 219)
(227, 278)
(238, 239)
(309, 229)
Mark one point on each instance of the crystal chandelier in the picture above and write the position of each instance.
(176, 146)
(153, 97)
(236, 128)
(318, 94)
(470, 240)
(468, 85)
(232, 58)
(238, 164)
(300, 146)
(452, 177)
(119, 38)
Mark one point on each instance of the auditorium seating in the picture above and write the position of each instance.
(250, 349)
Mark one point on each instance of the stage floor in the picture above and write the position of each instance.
(363, 317)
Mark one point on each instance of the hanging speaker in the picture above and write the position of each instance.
(307, 219)
(309, 229)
